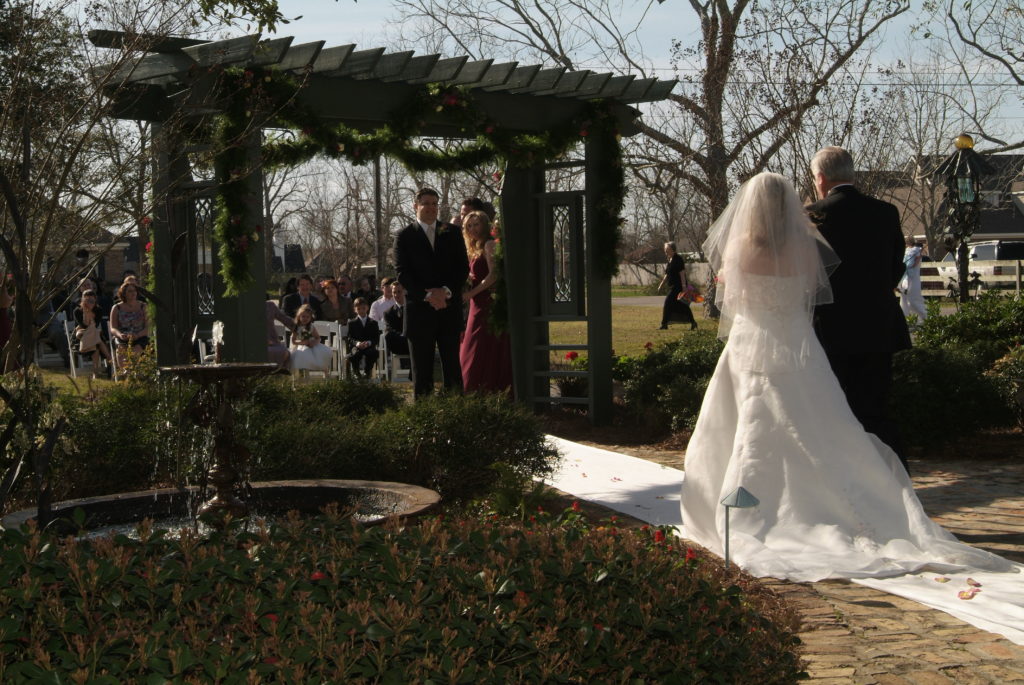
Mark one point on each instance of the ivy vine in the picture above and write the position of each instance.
(257, 96)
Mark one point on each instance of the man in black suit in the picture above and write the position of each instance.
(291, 303)
(863, 326)
(432, 265)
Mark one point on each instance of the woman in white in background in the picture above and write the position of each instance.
(911, 298)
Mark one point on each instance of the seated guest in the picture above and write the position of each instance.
(291, 286)
(129, 327)
(394, 322)
(307, 352)
(89, 333)
(133, 278)
(334, 307)
(303, 296)
(366, 289)
(345, 287)
(363, 334)
(276, 350)
(83, 285)
(385, 302)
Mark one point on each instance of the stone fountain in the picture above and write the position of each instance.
(218, 387)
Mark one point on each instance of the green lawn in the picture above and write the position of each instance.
(633, 326)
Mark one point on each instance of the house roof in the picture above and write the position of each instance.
(364, 86)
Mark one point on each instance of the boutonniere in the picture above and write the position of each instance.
(443, 228)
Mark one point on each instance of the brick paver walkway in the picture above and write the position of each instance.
(854, 634)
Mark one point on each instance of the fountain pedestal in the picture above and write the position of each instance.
(220, 385)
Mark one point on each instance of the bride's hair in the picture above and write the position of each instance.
(765, 232)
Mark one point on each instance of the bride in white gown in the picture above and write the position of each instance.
(834, 500)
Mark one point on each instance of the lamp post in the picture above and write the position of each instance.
(962, 171)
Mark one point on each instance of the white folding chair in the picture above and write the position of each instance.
(77, 359)
(283, 334)
(330, 335)
(391, 364)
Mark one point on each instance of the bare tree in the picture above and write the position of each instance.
(994, 30)
(749, 81)
(986, 34)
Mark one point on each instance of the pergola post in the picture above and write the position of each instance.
(243, 316)
(172, 228)
(520, 237)
(599, 290)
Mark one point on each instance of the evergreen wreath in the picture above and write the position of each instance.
(257, 97)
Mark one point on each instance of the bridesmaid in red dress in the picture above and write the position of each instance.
(486, 358)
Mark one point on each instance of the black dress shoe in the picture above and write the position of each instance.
(693, 326)
(662, 328)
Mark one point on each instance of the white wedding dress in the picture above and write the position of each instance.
(834, 500)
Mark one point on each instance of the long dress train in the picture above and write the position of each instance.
(834, 500)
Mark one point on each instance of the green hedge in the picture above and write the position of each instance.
(453, 601)
(941, 394)
(131, 438)
(665, 386)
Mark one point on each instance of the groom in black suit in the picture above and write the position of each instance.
(863, 326)
(432, 266)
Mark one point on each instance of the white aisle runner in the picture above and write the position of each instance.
(650, 492)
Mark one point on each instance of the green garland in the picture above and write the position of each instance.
(254, 92)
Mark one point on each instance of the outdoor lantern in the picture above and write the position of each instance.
(740, 498)
(962, 171)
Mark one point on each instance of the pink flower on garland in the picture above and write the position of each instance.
(149, 246)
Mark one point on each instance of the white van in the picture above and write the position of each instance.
(982, 257)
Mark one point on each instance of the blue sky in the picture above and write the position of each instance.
(346, 21)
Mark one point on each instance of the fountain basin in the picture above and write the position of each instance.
(371, 501)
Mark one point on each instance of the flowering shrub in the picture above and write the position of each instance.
(455, 601)
(665, 385)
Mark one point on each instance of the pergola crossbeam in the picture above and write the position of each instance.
(301, 56)
(659, 90)
(387, 67)
(443, 70)
(590, 87)
(472, 72)
(566, 85)
(637, 90)
(223, 52)
(415, 68)
(615, 86)
(495, 75)
(521, 77)
(545, 79)
(360, 62)
(332, 59)
(271, 51)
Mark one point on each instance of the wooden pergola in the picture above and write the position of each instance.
(548, 235)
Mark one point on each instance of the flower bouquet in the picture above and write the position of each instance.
(690, 294)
